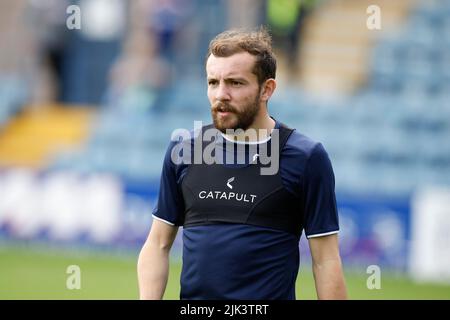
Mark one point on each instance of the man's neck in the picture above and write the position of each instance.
(260, 130)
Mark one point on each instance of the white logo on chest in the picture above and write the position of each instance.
(224, 195)
(229, 182)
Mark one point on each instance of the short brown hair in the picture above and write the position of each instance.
(258, 43)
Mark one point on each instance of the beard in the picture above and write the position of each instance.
(235, 119)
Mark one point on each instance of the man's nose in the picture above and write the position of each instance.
(222, 93)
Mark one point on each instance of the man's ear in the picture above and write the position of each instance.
(268, 88)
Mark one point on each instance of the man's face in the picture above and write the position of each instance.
(233, 91)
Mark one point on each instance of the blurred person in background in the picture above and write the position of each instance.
(285, 19)
(139, 78)
(47, 23)
(165, 20)
(33, 40)
(244, 244)
(142, 77)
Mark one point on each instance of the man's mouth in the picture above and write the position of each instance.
(223, 109)
(223, 114)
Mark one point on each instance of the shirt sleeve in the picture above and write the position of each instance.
(170, 204)
(321, 215)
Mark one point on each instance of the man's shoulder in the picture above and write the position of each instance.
(299, 144)
(302, 152)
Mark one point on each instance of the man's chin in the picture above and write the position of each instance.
(222, 126)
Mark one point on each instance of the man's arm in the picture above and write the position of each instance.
(153, 262)
(327, 267)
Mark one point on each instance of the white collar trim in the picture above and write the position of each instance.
(250, 142)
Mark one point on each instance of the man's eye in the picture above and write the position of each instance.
(236, 83)
(212, 83)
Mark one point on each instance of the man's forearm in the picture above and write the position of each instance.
(329, 280)
(153, 271)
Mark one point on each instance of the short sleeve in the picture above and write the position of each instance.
(320, 211)
(170, 204)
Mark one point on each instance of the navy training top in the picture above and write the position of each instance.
(213, 263)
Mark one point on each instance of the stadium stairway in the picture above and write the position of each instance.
(336, 46)
(33, 137)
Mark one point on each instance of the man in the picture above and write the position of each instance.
(242, 228)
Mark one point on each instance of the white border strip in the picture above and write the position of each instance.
(246, 142)
(157, 218)
(322, 234)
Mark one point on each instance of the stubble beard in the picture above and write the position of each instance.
(236, 119)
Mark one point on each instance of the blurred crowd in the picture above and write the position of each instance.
(127, 53)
